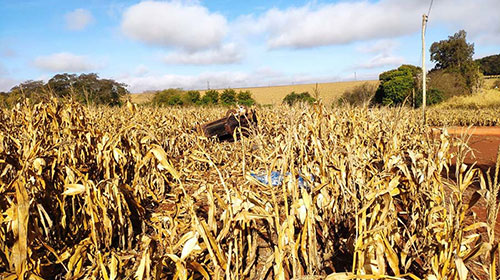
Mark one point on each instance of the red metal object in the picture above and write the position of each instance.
(224, 128)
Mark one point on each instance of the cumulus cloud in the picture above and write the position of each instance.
(78, 19)
(479, 18)
(64, 62)
(189, 26)
(383, 54)
(225, 54)
(345, 22)
(336, 23)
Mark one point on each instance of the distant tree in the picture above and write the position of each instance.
(245, 98)
(293, 98)
(29, 88)
(210, 97)
(228, 97)
(453, 52)
(63, 84)
(100, 91)
(455, 55)
(397, 85)
(168, 97)
(433, 96)
(450, 83)
(358, 96)
(490, 65)
(191, 97)
(86, 88)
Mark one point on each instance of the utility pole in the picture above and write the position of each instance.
(208, 85)
(355, 76)
(424, 22)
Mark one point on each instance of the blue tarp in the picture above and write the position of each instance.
(277, 179)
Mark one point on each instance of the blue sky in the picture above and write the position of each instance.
(153, 45)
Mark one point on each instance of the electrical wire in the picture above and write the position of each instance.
(427, 15)
(430, 7)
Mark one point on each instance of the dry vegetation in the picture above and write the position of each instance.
(328, 92)
(118, 193)
(480, 109)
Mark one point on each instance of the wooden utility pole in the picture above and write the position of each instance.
(424, 101)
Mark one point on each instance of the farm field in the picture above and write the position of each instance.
(113, 193)
(328, 92)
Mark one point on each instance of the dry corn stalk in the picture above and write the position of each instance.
(92, 192)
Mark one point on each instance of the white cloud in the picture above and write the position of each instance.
(336, 23)
(479, 18)
(345, 22)
(226, 54)
(78, 19)
(382, 60)
(64, 62)
(189, 26)
(383, 54)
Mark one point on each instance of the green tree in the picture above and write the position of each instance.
(292, 98)
(191, 97)
(29, 88)
(93, 90)
(168, 97)
(453, 52)
(397, 85)
(434, 96)
(245, 98)
(86, 88)
(490, 65)
(358, 96)
(210, 97)
(455, 55)
(228, 97)
(63, 84)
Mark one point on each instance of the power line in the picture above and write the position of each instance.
(428, 13)
(430, 7)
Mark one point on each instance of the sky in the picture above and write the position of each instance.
(152, 45)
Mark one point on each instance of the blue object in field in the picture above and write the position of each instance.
(277, 179)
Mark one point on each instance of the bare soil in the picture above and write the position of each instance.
(484, 142)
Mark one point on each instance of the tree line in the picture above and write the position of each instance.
(179, 97)
(84, 88)
(455, 73)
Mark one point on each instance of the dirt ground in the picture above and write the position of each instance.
(484, 142)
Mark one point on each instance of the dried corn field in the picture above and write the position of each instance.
(122, 193)
(464, 117)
